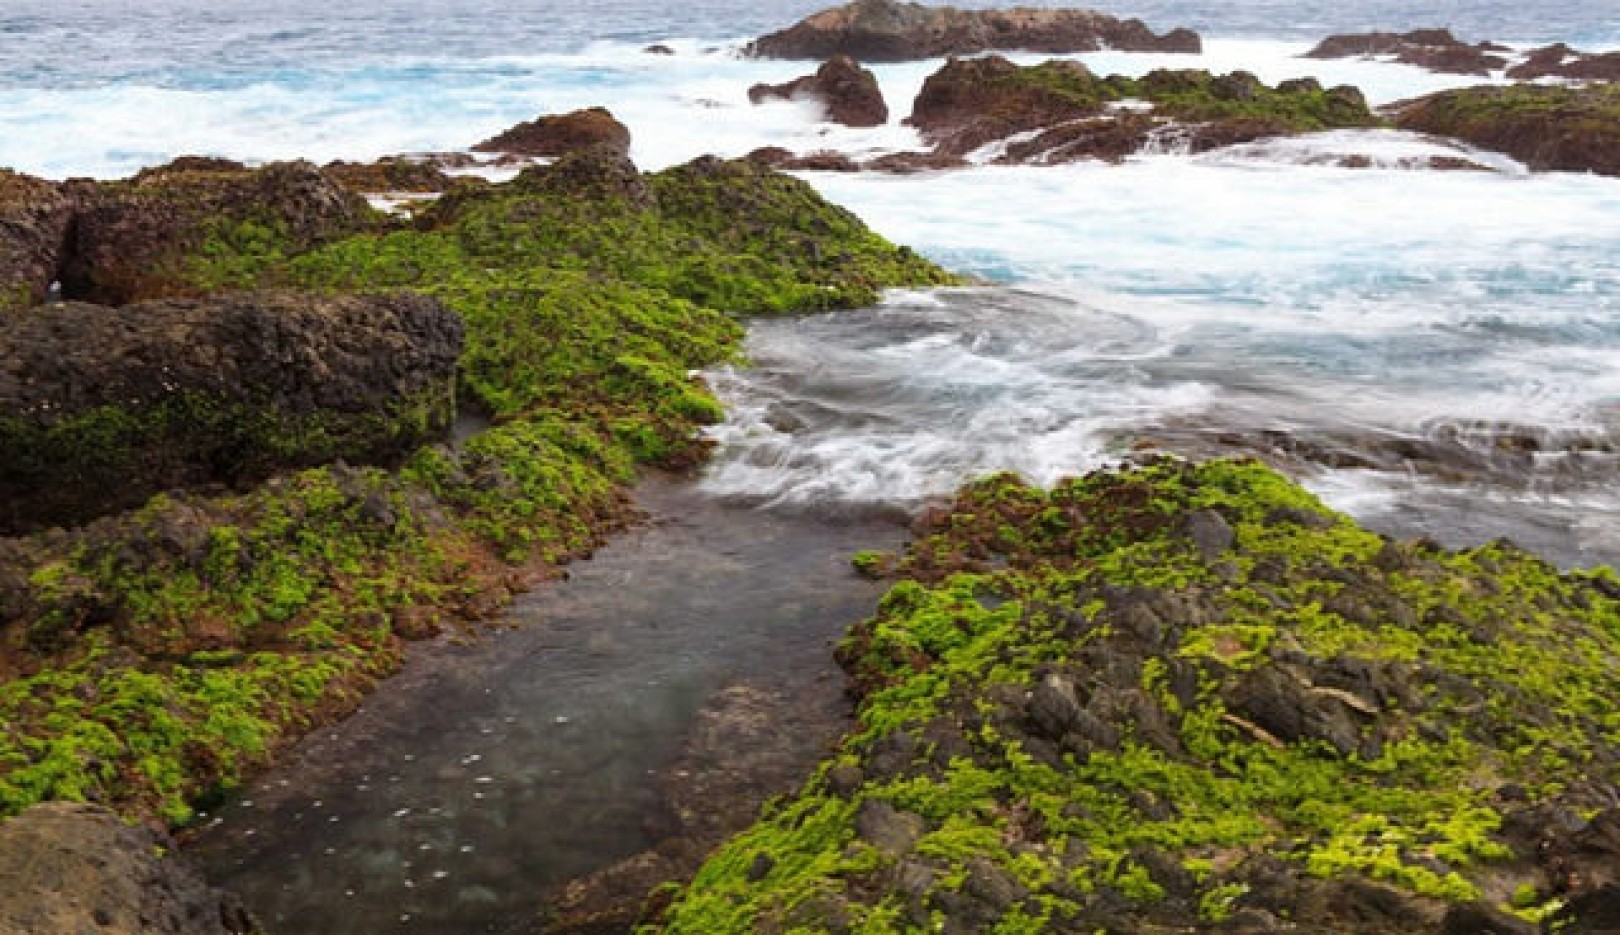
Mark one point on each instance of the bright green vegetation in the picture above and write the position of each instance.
(1146, 700)
(154, 658)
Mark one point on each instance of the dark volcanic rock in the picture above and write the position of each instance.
(148, 237)
(1545, 127)
(971, 102)
(1561, 61)
(890, 31)
(101, 407)
(389, 174)
(68, 869)
(593, 127)
(34, 219)
(849, 92)
(1435, 49)
(778, 158)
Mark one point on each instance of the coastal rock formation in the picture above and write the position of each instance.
(1561, 61)
(849, 92)
(891, 31)
(1435, 49)
(1060, 111)
(389, 174)
(1545, 127)
(67, 869)
(555, 135)
(34, 219)
(102, 407)
(1190, 698)
(197, 225)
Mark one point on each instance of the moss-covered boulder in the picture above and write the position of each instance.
(198, 225)
(1547, 127)
(1075, 114)
(34, 219)
(558, 134)
(102, 407)
(892, 31)
(1189, 698)
(389, 174)
(848, 92)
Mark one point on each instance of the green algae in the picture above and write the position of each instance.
(1548, 127)
(157, 657)
(1061, 711)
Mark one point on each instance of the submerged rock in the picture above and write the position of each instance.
(849, 92)
(890, 31)
(68, 869)
(1435, 49)
(102, 407)
(34, 220)
(1546, 127)
(593, 127)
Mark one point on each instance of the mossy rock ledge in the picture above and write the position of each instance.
(154, 658)
(100, 408)
(1547, 127)
(1187, 697)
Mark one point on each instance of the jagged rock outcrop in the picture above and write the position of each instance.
(197, 225)
(1545, 127)
(1435, 49)
(102, 407)
(557, 134)
(1561, 61)
(849, 92)
(389, 174)
(34, 219)
(890, 31)
(68, 869)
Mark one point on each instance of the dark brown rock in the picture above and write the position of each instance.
(1547, 127)
(823, 161)
(140, 239)
(909, 162)
(34, 219)
(890, 31)
(68, 869)
(887, 828)
(971, 102)
(849, 93)
(102, 407)
(591, 128)
(1561, 61)
(1435, 49)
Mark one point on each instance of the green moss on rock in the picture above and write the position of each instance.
(1547, 127)
(1158, 698)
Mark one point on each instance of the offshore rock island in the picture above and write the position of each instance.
(256, 436)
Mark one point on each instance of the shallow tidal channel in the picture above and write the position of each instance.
(488, 773)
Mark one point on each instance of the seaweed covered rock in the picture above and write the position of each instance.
(102, 407)
(1547, 127)
(891, 31)
(66, 869)
(562, 133)
(972, 102)
(1435, 49)
(389, 174)
(34, 219)
(197, 225)
(1187, 697)
(849, 92)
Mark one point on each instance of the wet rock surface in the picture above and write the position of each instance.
(558, 134)
(1548, 128)
(69, 869)
(101, 407)
(889, 31)
(389, 174)
(849, 92)
(1560, 61)
(1434, 49)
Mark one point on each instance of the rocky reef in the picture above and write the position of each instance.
(891, 31)
(1061, 111)
(1560, 61)
(1547, 127)
(1182, 697)
(34, 219)
(849, 93)
(1434, 49)
(102, 407)
(154, 657)
(558, 134)
(70, 868)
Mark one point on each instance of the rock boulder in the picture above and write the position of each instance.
(34, 220)
(1435, 49)
(891, 31)
(1547, 127)
(849, 92)
(555, 135)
